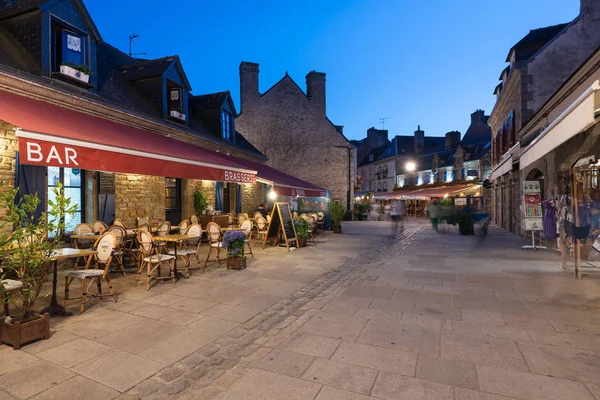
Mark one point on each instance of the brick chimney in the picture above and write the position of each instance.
(477, 116)
(453, 137)
(248, 84)
(315, 89)
(589, 5)
(419, 140)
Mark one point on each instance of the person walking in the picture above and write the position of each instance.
(434, 213)
(396, 214)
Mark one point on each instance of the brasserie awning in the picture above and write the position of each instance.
(579, 116)
(283, 184)
(50, 135)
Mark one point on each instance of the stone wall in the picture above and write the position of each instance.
(139, 196)
(188, 188)
(8, 149)
(252, 196)
(295, 133)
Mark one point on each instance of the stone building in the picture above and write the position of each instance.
(144, 142)
(291, 128)
(538, 65)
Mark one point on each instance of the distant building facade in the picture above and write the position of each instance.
(291, 128)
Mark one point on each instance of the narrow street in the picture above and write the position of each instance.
(432, 316)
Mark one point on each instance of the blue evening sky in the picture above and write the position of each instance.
(416, 62)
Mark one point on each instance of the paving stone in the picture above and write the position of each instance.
(12, 360)
(175, 387)
(119, 370)
(451, 372)
(103, 324)
(214, 325)
(468, 394)
(399, 362)
(400, 336)
(182, 318)
(57, 338)
(562, 362)
(193, 305)
(312, 345)
(477, 317)
(396, 387)
(286, 362)
(171, 373)
(174, 349)
(74, 352)
(77, 387)
(147, 387)
(33, 379)
(583, 342)
(331, 393)
(524, 385)
(231, 313)
(490, 351)
(374, 313)
(334, 326)
(500, 331)
(196, 372)
(341, 375)
(138, 337)
(428, 321)
(261, 385)
(595, 389)
(527, 322)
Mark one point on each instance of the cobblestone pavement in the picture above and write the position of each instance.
(426, 316)
(431, 316)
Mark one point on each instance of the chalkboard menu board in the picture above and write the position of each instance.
(281, 222)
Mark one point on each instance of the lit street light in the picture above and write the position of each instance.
(410, 166)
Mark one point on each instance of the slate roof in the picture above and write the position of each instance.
(377, 152)
(533, 41)
(208, 101)
(11, 8)
(147, 68)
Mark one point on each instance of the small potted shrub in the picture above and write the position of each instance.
(381, 211)
(200, 202)
(25, 258)
(234, 242)
(336, 210)
(79, 72)
(465, 224)
(301, 231)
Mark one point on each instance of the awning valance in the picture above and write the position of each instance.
(436, 192)
(578, 117)
(283, 184)
(51, 135)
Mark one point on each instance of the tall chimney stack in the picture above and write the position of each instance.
(315, 89)
(419, 140)
(452, 138)
(248, 84)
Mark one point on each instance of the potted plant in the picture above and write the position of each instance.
(336, 210)
(79, 72)
(25, 258)
(381, 210)
(301, 231)
(360, 210)
(200, 202)
(465, 224)
(234, 242)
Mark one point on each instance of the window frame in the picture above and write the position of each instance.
(57, 27)
(226, 126)
(81, 187)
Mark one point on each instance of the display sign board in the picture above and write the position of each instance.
(532, 200)
(533, 224)
(531, 187)
(473, 172)
(281, 224)
(533, 211)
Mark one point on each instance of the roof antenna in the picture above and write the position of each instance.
(382, 121)
(132, 38)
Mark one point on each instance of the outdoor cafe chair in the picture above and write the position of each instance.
(311, 230)
(163, 230)
(303, 215)
(295, 214)
(194, 219)
(261, 228)
(256, 215)
(83, 229)
(99, 226)
(181, 229)
(105, 247)
(268, 218)
(241, 217)
(142, 221)
(315, 218)
(186, 254)
(247, 227)
(231, 217)
(120, 235)
(119, 222)
(320, 219)
(214, 234)
(152, 259)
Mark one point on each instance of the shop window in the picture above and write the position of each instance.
(72, 182)
(68, 47)
(226, 126)
(173, 200)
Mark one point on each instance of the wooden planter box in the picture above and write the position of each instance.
(17, 334)
(337, 229)
(301, 241)
(236, 263)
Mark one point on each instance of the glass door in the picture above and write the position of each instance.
(173, 200)
(72, 181)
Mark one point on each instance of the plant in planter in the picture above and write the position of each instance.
(234, 242)
(465, 224)
(80, 72)
(336, 210)
(301, 231)
(200, 202)
(25, 258)
(381, 210)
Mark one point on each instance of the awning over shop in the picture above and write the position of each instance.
(50, 135)
(283, 184)
(434, 192)
(505, 165)
(578, 117)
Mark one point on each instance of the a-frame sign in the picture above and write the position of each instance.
(281, 223)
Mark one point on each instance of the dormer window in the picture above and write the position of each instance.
(69, 53)
(226, 126)
(175, 101)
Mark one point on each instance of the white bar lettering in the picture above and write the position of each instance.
(53, 154)
(34, 152)
(71, 155)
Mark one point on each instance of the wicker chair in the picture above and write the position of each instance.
(119, 222)
(152, 259)
(186, 254)
(231, 217)
(295, 214)
(181, 229)
(99, 226)
(261, 228)
(142, 221)
(241, 217)
(247, 227)
(105, 246)
(120, 235)
(214, 234)
(321, 219)
(194, 219)
(311, 230)
(163, 230)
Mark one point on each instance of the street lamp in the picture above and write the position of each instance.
(410, 166)
(349, 178)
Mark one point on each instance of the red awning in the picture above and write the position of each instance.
(283, 184)
(437, 192)
(50, 135)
